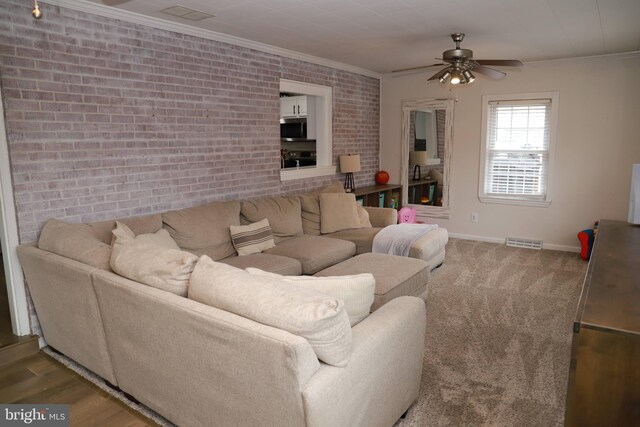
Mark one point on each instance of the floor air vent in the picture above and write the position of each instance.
(518, 242)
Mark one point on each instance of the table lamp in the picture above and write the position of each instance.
(417, 158)
(349, 164)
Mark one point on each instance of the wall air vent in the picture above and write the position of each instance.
(518, 242)
(187, 13)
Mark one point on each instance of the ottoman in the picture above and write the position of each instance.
(395, 275)
(430, 247)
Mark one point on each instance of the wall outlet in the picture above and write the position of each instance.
(474, 216)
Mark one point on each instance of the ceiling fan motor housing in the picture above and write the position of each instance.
(460, 55)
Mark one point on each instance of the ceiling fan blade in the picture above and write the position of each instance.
(416, 68)
(503, 62)
(439, 74)
(489, 72)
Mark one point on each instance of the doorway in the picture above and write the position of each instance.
(12, 280)
(6, 333)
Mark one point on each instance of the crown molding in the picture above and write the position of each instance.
(586, 59)
(136, 18)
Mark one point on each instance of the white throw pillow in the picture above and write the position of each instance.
(320, 319)
(153, 259)
(253, 238)
(363, 217)
(357, 291)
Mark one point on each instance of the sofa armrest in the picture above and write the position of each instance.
(381, 217)
(198, 365)
(383, 376)
(63, 296)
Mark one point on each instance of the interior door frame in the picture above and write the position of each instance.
(9, 239)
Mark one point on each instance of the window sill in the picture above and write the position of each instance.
(288, 175)
(513, 201)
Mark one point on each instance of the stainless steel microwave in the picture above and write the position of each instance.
(293, 129)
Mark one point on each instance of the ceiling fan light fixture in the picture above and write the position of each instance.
(468, 76)
(456, 77)
(445, 77)
(460, 64)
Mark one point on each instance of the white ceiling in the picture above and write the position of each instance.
(385, 35)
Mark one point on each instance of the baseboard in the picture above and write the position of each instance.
(478, 238)
(564, 248)
(502, 240)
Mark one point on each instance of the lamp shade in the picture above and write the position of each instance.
(350, 163)
(418, 157)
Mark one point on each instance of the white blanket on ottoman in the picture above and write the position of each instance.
(397, 239)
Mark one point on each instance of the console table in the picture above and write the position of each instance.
(604, 376)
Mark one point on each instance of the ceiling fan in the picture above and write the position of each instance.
(462, 65)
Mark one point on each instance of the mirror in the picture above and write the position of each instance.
(427, 126)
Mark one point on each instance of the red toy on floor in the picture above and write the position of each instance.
(586, 238)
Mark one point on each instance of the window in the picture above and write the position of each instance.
(317, 110)
(518, 147)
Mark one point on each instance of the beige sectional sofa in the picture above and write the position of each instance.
(198, 365)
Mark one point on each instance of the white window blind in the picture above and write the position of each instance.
(517, 149)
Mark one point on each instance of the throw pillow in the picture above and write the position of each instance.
(338, 212)
(75, 241)
(152, 259)
(357, 291)
(160, 238)
(253, 238)
(310, 205)
(320, 319)
(363, 216)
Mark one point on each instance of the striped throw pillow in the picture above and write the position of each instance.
(253, 238)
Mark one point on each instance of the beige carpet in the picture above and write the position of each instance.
(498, 337)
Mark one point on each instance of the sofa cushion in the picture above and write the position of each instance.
(314, 252)
(204, 230)
(267, 262)
(356, 291)
(253, 238)
(310, 205)
(320, 319)
(152, 259)
(283, 214)
(75, 241)
(362, 237)
(395, 275)
(338, 212)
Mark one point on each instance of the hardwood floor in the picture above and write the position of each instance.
(30, 376)
(41, 379)
(11, 347)
(6, 334)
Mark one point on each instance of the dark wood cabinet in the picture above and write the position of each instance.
(422, 192)
(604, 376)
(383, 196)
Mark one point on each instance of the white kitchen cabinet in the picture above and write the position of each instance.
(293, 106)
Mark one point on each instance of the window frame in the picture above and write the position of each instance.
(554, 97)
(324, 141)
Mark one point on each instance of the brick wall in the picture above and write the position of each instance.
(108, 119)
